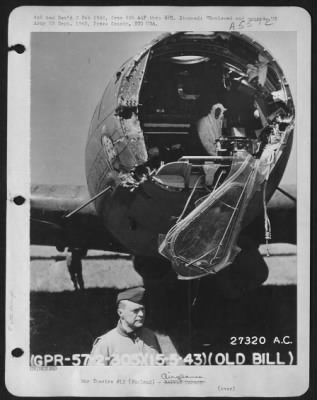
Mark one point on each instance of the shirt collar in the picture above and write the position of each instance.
(122, 332)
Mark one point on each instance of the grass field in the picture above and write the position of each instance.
(187, 316)
(108, 270)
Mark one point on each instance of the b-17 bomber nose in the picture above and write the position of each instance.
(194, 119)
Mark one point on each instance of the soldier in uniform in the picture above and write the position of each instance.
(129, 343)
(74, 265)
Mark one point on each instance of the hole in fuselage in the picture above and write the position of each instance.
(178, 92)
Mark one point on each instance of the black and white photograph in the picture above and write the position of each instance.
(165, 232)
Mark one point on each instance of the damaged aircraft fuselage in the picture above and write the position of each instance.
(193, 136)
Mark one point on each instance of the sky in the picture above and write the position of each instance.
(69, 72)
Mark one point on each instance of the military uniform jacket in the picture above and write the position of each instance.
(117, 348)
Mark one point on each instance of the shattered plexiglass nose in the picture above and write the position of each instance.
(204, 242)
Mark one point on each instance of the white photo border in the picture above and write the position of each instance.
(72, 381)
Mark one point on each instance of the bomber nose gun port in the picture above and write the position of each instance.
(216, 124)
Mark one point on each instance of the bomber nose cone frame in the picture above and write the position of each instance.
(207, 118)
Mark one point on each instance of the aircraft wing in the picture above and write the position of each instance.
(84, 229)
(51, 203)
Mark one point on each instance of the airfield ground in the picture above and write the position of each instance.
(187, 317)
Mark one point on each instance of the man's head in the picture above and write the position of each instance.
(131, 308)
(217, 111)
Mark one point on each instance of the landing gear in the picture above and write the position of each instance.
(247, 272)
(160, 282)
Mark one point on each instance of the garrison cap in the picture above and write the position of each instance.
(135, 294)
